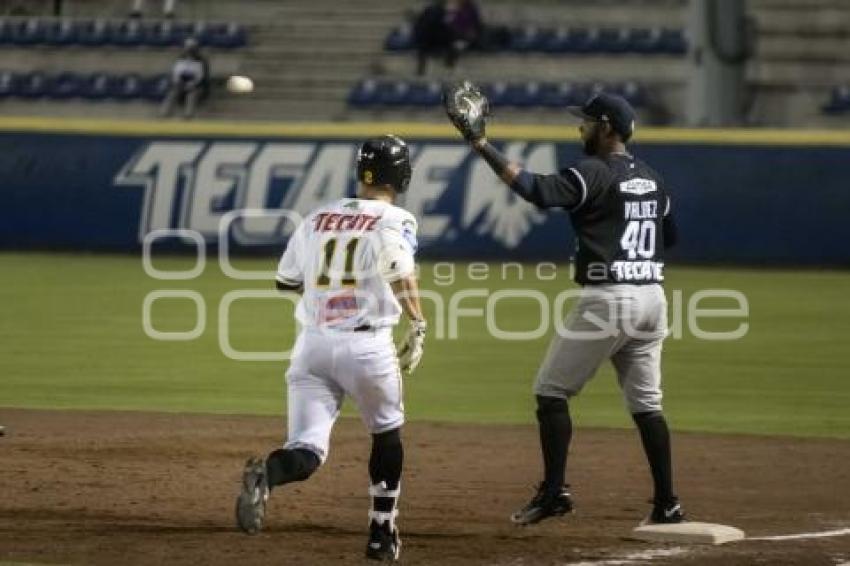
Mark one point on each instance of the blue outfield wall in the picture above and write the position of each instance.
(748, 201)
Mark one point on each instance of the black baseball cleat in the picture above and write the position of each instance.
(251, 502)
(665, 513)
(545, 503)
(384, 543)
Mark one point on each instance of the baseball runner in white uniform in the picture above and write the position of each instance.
(353, 260)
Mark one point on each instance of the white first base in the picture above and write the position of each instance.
(688, 532)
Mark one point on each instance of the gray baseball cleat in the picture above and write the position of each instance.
(251, 502)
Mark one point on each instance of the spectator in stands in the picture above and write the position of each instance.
(190, 80)
(433, 36)
(139, 7)
(445, 29)
(465, 23)
(16, 8)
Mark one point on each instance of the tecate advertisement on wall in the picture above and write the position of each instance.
(108, 192)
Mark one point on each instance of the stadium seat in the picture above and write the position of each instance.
(632, 91)
(364, 93)
(583, 40)
(581, 92)
(672, 42)
(33, 85)
(61, 33)
(394, 93)
(399, 39)
(612, 41)
(513, 95)
(28, 32)
(182, 31)
(5, 31)
(644, 41)
(229, 36)
(558, 95)
(9, 82)
(128, 87)
(496, 93)
(128, 33)
(164, 34)
(557, 42)
(97, 86)
(64, 86)
(205, 31)
(528, 39)
(425, 94)
(155, 88)
(523, 95)
(93, 33)
(839, 101)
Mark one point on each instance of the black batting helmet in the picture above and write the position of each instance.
(384, 160)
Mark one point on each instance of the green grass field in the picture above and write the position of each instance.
(71, 336)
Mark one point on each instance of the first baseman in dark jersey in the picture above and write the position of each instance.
(621, 214)
(619, 211)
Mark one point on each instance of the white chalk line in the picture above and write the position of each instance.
(801, 536)
(633, 558)
(642, 556)
(652, 554)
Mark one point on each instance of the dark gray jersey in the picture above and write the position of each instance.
(621, 214)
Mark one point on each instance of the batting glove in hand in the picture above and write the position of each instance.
(466, 107)
(411, 349)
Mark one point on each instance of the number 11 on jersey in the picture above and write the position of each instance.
(348, 279)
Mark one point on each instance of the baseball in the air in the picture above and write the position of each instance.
(238, 83)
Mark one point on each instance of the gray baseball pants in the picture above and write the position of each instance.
(624, 323)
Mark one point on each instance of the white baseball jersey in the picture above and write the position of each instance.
(340, 254)
(335, 253)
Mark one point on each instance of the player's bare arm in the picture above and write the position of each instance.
(411, 349)
(399, 270)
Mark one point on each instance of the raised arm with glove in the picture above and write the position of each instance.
(467, 108)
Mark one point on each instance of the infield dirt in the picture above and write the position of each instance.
(150, 488)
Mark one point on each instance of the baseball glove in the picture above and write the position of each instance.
(466, 107)
(411, 350)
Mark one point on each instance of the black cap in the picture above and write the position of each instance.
(608, 108)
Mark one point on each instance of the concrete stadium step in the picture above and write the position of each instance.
(386, 12)
(792, 74)
(265, 91)
(549, 68)
(294, 81)
(310, 35)
(296, 75)
(834, 22)
(799, 5)
(784, 107)
(248, 11)
(824, 49)
(297, 50)
(583, 14)
(95, 110)
(320, 26)
(282, 109)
